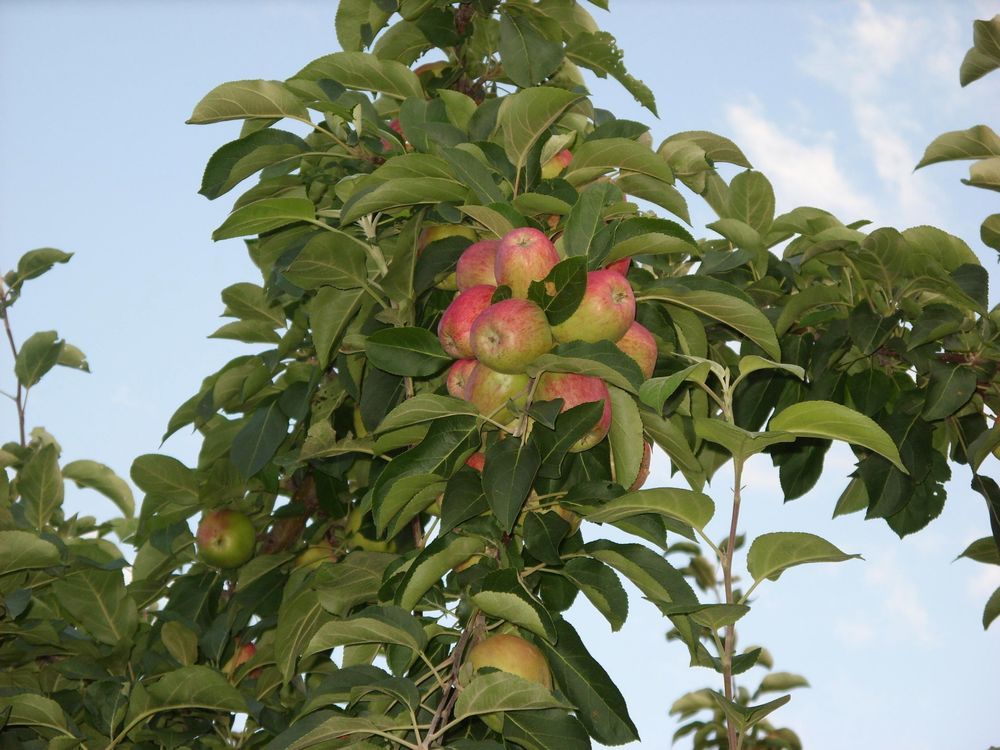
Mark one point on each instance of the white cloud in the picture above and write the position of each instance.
(802, 173)
(855, 631)
(901, 603)
(984, 582)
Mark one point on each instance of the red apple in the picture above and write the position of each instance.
(511, 334)
(456, 323)
(639, 344)
(476, 264)
(574, 390)
(489, 391)
(524, 255)
(226, 538)
(555, 166)
(241, 656)
(458, 375)
(477, 460)
(621, 265)
(647, 457)
(605, 313)
(512, 654)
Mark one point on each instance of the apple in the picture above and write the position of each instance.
(456, 323)
(639, 344)
(476, 264)
(354, 539)
(524, 255)
(489, 391)
(240, 656)
(225, 538)
(647, 457)
(621, 265)
(477, 460)
(574, 390)
(605, 312)
(555, 166)
(510, 335)
(511, 654)
(440, 232)
(458, 375)
(312, 557)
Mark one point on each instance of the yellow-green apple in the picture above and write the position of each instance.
(456, 323)
(311, 557)
(574, 390)
(354, 539)
(440, 232)
(511, 654)
(605, 312)
(458, 375)
(621, 265)
(524, 255)
(643, 475)
(489, 391)
(639, 344)
(226, 538)
(555, 166)
(510, 335)
(475, 266)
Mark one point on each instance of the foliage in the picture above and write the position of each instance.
(382, 555)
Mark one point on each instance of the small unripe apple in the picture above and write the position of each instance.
(555, 166)
(477, 460)
(458, 376)
(621, 265)
(524, 255)
(510, 335)
(226, 538)
(312, 557)
(639, 344)
(647, 457)
(476, 264)
(443, 231)
(489, 391)
(241, 656)
(432, 69)
(605, 312)
(456, 323)
(574, 390)
(354, 539)
(511, 654)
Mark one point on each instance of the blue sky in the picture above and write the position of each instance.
(833, 101)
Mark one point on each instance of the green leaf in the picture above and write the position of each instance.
(509, 473)
(600, 705)
(258, 439)
(625, 437)
(403, 42)
(771, 554)
(825, 419)
(655, 191)
(182, 690)
(40, 483)
(528, 56)
(502, 691)
(247, 331)
(949, 389)
(464, 498)
(979, 142)
(360, 70)
(424, 407)
(984, 56)
(744, 717)
(657, 579)
(526, 115)
(503, 595)
(983, 550)
(751, 200)
(436, 559)
(331, 258)
(34, 263)
(992, 609)
(402, 192)
(21, 550)
(585, 219)
(602, 359)
(406, 351)
(777, 682)
(180, 641)
(164, 475)
(544, 729)
(989, 233)
(601, 586)
(492, 221)
(239, 100)
(299, 617)
(671, 439)
(101, 478)
(740, 443)
(331, 729)
(239, 159)
(692, 508)
(249, 302)
(330, 312)
(985, 174)
(263, 216)
(96, 599)
(807, 299)
(358, 21)
(731, 311)
(655, 391)
(571, 425)
(560, 293)
(352, 581)
(30, 710)
(38, 354)
(471, 172)
(373, 625)
(598, 51)
(715, 147)
(597, 157)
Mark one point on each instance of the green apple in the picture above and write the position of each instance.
(512, 654)
(489, 391)
(225, 538)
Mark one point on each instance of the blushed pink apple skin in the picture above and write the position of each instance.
(639, 344)
(621, 265)
(456, 323)
(605, 313)
(489, 391)
(574, 390)
(476, 265)
(510, 335)
(524, 255)
(458, 376)
(477, 460)
(555, 166)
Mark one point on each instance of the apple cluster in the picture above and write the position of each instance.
(495, 343)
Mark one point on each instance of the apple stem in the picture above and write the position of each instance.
(727, 577)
